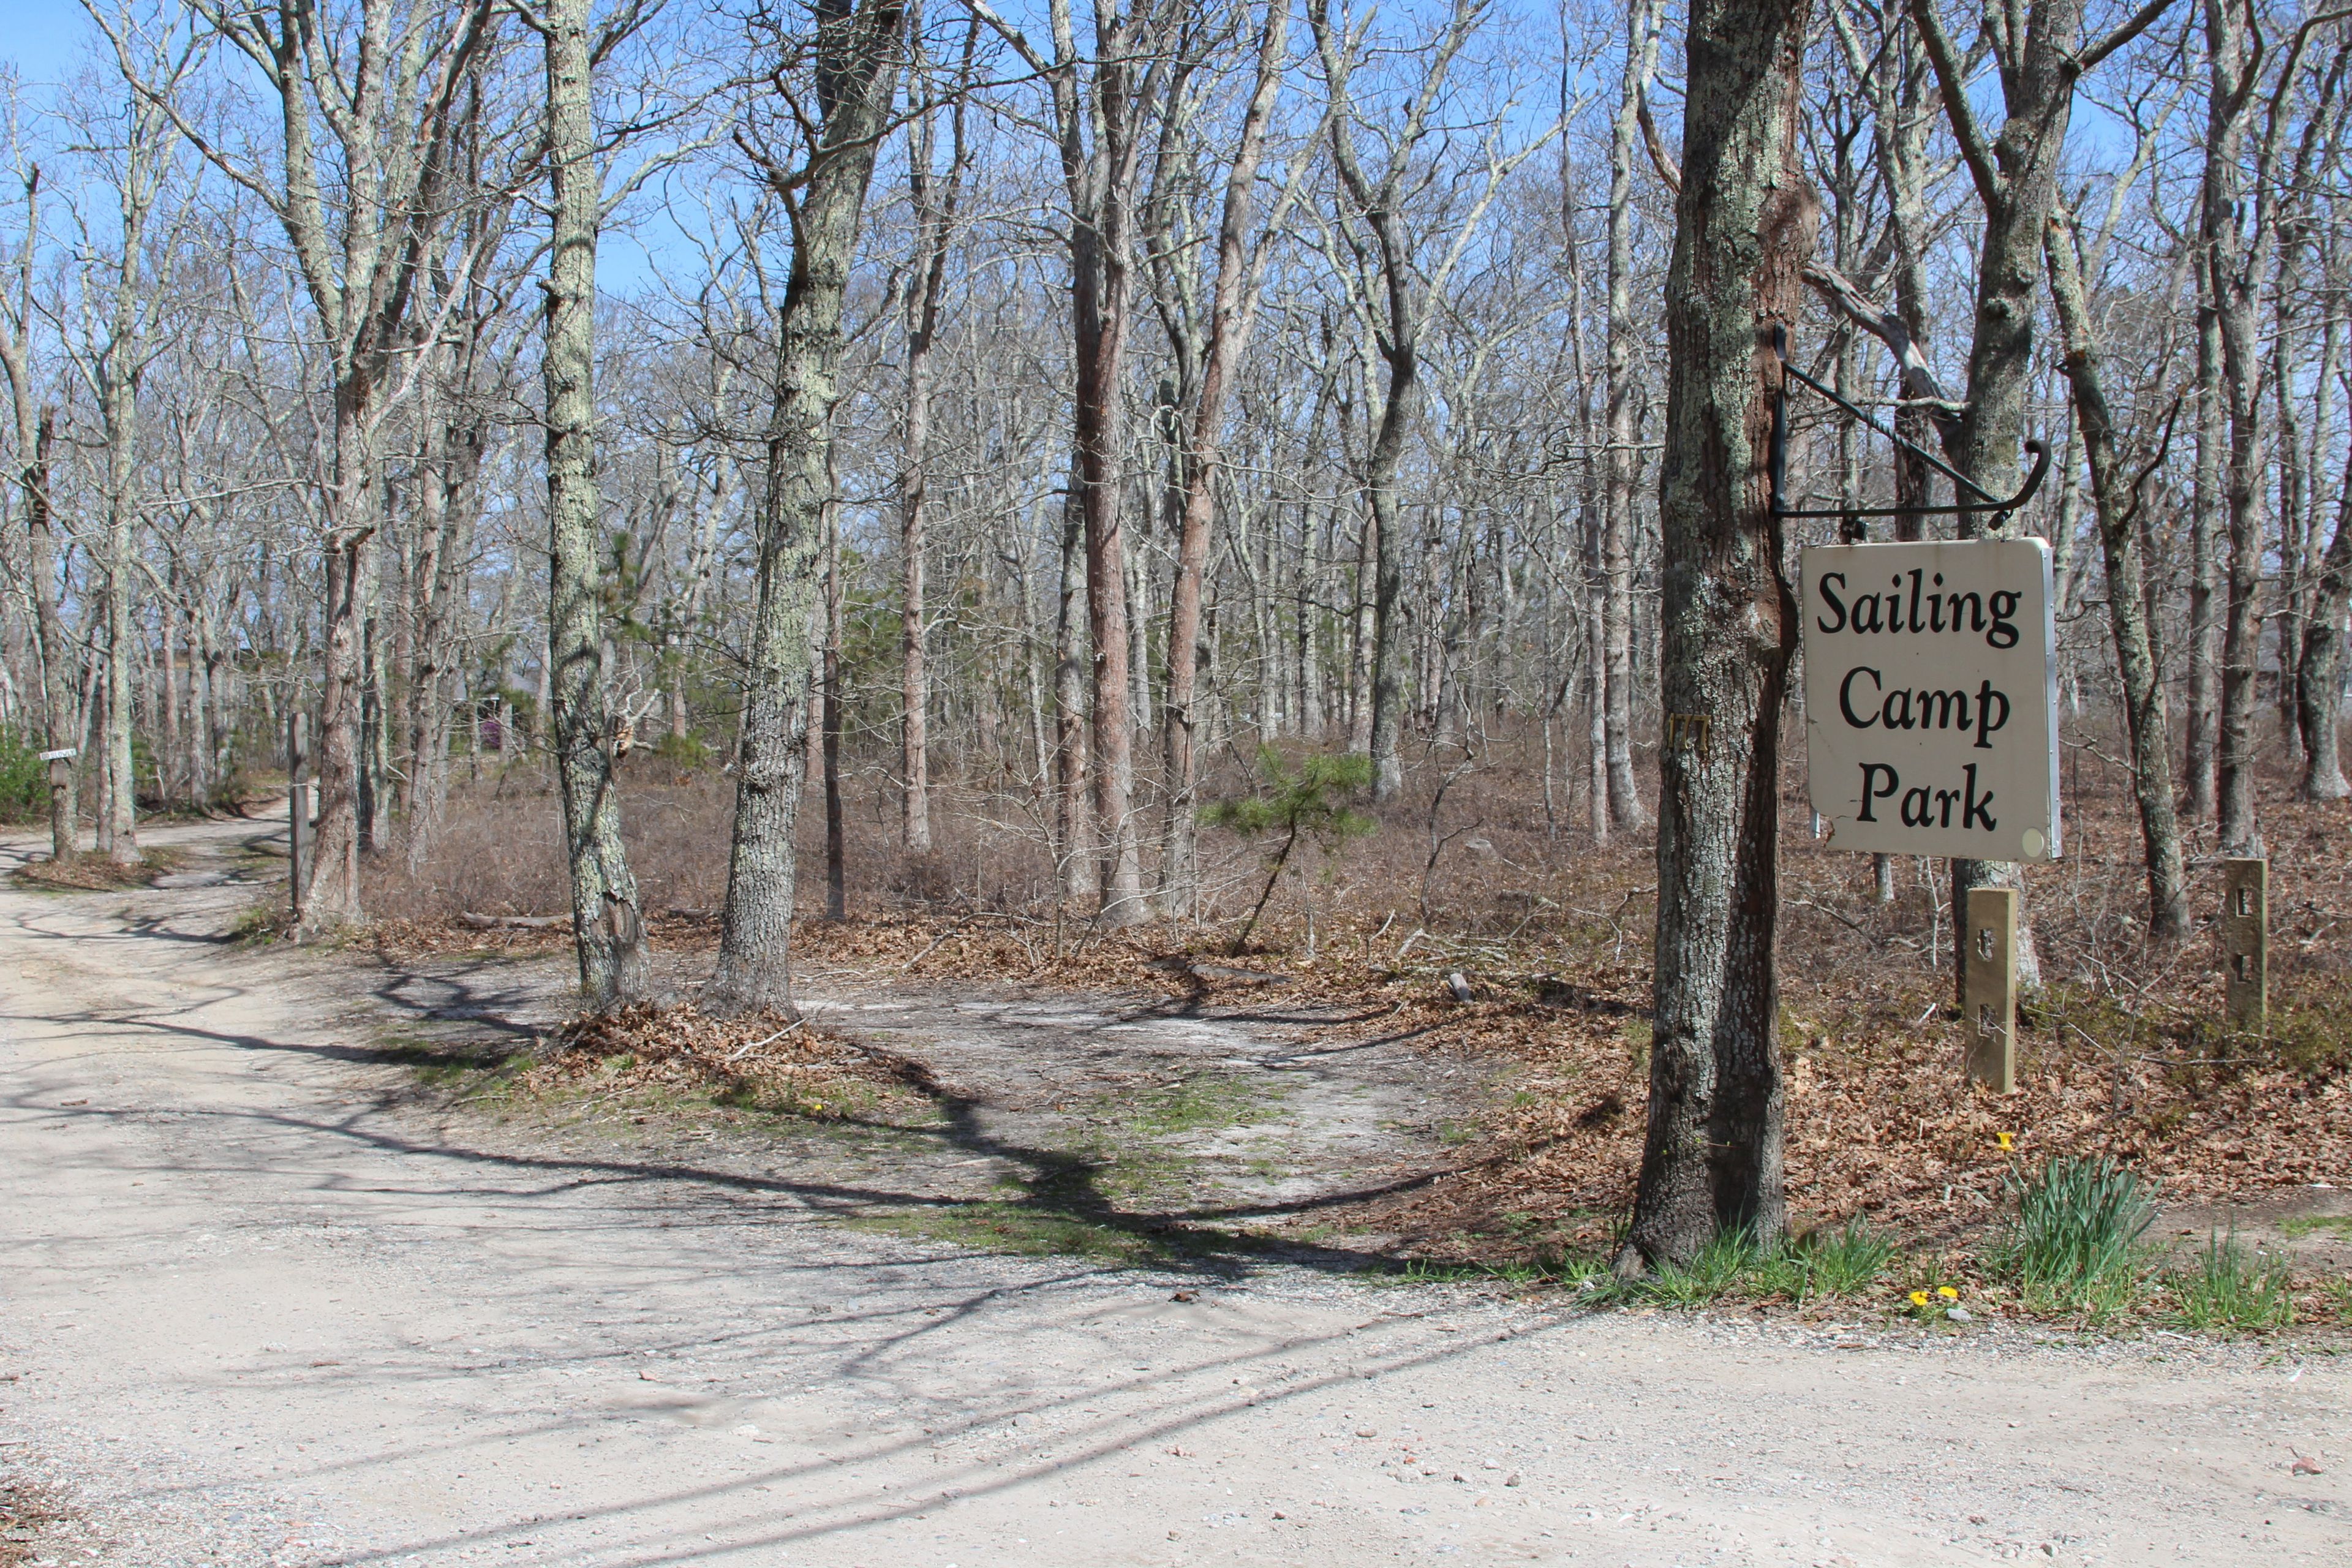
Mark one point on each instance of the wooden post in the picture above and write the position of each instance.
(298, 804)
(2246, 940)
(61, 821)
(1991, 944)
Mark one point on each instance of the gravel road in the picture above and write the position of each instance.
(256, 1309)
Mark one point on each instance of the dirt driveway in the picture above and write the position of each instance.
(257, 1306)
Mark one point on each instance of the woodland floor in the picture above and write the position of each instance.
(974, 1271)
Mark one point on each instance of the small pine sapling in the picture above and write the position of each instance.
(1301, 800)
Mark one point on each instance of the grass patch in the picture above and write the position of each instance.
(1032, 1230)
(1209, 1102)
(2311, 1224)
(2230, 1290)
(2075, 1246)
(472, 1067)
(1736, 1266)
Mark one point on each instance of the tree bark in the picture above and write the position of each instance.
(2116, 500)
(1625, 807)
(856, 81)
(2016, 178)
(607, 926)
(935, 200)
(1102, 184)
(1230, 315)
(1070, 838)
(2318, 708)
(2204, 565)
(1744, 226)
(2234, 297)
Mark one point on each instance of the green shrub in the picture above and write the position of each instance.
(1298, 802)
(2230, 1292)
(23, 779)
(2075, 1244)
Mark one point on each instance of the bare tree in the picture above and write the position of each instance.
(2117, 498)
(855, 60)
(1232, 310)
(608, 929)
(380, 80)
(936, 196)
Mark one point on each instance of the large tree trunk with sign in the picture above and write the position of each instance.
(1743, 225)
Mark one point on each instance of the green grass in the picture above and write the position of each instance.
(2306, 1225)
(2339, 1296)
(1847, 1262)
(2075, 1246)
(2230, 1290)
(1736, 1266)
(436, 1064)
(1209, 1102)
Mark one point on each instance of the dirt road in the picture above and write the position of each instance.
(255, 1308)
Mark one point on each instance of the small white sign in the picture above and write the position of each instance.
(61, 756)
(1931, 698)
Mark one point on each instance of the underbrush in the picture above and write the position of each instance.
(1479, 869)
(94, 873)
(28, 1515)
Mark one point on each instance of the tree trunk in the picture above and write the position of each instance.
(1102, 297)
(1744, 227)
(2117, 500)
(856, 84)
(2204, 567)
(1230, 315)
(2230, 100)
(934, 211)
(606, 924)
(836, 851)
(2016, 178)
(57, 675)
(1625, 807)
(2319, 702)
(1070, 837)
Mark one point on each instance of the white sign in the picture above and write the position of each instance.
(1931, 698)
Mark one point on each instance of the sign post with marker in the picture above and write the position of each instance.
(61, 825)
(1931, 727)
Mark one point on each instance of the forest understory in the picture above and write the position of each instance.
(2247, 1139)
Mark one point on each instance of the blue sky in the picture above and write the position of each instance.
(43, 38)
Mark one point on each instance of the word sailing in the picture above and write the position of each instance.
(1931, 708)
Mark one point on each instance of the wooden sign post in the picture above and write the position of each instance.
(1991, 991)
(2246, 940)
(61, 779)
(1931, 728)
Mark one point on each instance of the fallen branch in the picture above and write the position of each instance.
(513, 922)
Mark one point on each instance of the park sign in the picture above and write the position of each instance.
(1931, 702)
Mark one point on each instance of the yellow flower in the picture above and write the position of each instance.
(2008, 1140)
(1918, 1298)
(1947, 1294)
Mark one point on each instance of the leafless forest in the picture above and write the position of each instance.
(609, 423)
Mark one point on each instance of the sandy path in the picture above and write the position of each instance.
(255, 1313)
